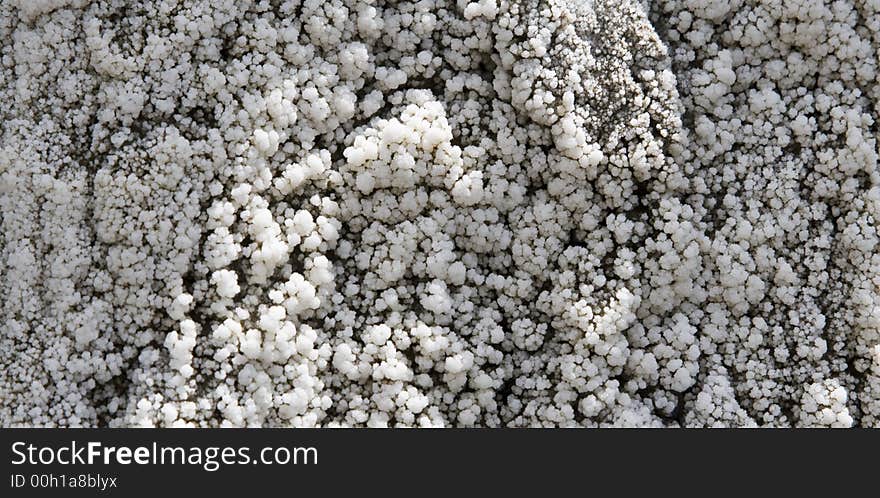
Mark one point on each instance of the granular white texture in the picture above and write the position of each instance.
(439, 213)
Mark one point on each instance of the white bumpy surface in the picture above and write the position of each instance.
(439, 213)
